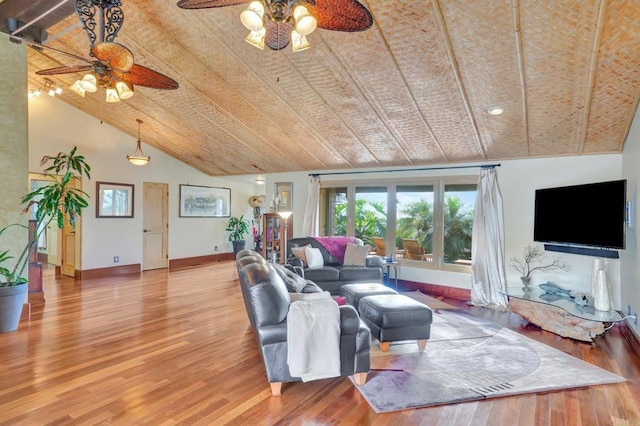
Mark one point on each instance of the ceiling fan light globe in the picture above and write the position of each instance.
(125, 90)
(305, 23)
(256, 38)
(252, 16)
(111, 95)
(299, 42)
(89, 83)
(77, 88)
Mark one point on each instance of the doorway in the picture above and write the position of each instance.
(59, 247)
(155, 225)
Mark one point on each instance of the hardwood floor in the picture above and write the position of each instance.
(175, 347)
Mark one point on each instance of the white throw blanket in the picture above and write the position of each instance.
(313, 337)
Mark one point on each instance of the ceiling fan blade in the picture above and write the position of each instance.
(66, 69)
(341, 15)
(278, 35)
(206, 4)
(143, 76)
(116, 55)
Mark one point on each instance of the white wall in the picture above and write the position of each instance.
(518, 180)
(629, 272)
(56, 126)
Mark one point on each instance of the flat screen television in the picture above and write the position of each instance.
(590, 215)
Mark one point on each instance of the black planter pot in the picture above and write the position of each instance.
(238, 245)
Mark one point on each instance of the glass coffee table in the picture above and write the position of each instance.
(560, 314)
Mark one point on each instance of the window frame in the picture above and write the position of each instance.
(438, 182)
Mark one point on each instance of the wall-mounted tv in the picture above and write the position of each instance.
(586, 215)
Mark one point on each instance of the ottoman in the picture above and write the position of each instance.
(394, 317)
(354, 292)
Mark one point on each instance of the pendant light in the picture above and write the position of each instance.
(138, 158)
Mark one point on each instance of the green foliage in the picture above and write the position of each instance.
(52, 203)
(370, 220)
(415, 222)
(238, 228)
(458, 221)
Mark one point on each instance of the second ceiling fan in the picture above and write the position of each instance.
(280, 22)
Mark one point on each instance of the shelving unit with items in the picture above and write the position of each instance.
(273, 237)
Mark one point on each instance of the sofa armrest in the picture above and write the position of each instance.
(349, 320)
(374, 262)
(295, 261)
(298, 269)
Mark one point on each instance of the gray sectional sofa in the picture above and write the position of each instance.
(333, 274)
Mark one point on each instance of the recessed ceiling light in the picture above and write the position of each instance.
(495, 110)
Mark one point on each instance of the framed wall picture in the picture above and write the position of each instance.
(284, 196)
(204, 201)
(114, 200)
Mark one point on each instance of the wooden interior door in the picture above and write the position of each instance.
(68, 259)
(155, 225)
(52, 244)
(71, 242)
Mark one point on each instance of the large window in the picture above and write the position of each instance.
(459, 207)
(370, 213)
(415, 221)
(426, 223)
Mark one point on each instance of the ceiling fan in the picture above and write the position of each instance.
(279, 22)
(113, 68)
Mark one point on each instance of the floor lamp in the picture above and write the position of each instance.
(284, 215)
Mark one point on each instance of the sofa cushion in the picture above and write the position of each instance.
(299, 252)
(322, 243)
(355, 255)
(314, 257)
(294, 282)
(325, 273)
(358, 273)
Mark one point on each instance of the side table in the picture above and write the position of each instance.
(560, 315)
(389, 265)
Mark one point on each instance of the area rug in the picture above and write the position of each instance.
(468, 359)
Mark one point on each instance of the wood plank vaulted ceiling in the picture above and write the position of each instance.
(413, 90)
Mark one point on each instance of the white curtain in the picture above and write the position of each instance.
(488, 272)
(310, 221)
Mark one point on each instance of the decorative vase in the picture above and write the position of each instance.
(601, 298)
(526, 282)
(597, 264)
(11, 301)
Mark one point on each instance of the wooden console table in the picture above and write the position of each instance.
(560, 315)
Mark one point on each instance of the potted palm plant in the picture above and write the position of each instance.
(56, 202)
(238, 228)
